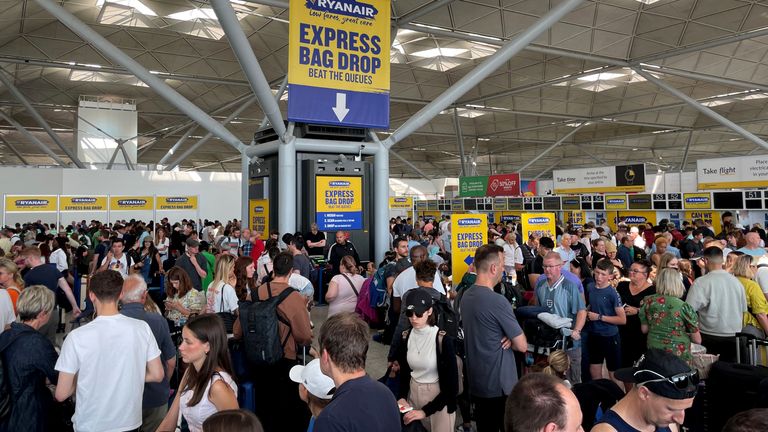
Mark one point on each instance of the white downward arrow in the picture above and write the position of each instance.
(341, 109)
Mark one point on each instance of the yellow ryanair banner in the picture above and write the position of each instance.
(176, 203)
(131, 203)
(31, 203)
(710, 217)
(539, 223)
(82, 203)
(615, 202)
(401, 203)
(576, 218)
(468, 232)
(339, 203)
(699, 201)
(258, 211)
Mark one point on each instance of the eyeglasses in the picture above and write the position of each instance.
(411, 313)
(681, 381)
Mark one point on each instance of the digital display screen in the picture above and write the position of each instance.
(754, 204)
(640, 202)
(552, 203)
(470, 204)
(598, 206)
(571, 203)
(728, 200)
(675, 205)
(515, 203)
(659, 205)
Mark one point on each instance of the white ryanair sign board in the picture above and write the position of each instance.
(734, 172)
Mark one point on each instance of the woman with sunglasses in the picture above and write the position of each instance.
(632, 293)
(670, 323)
(429, 376)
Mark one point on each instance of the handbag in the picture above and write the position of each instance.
(227, 317)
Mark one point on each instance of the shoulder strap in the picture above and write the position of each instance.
(439, 338)
(357, 294)
(221, 303)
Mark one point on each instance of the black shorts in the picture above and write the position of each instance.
(606, 348)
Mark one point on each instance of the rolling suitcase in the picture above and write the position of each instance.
(732, 388)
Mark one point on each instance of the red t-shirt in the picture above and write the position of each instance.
(258, 248)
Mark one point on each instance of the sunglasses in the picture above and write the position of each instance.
(681, 381)
(410, 314)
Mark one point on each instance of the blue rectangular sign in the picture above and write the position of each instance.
(338, 107)
(328, 221)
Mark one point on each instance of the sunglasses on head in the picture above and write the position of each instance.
(411, 313)
(681, 381)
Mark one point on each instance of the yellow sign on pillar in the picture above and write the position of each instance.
(468, 232)
(539, 223)
(259, 216)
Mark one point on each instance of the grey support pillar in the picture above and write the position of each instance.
(8, 82)
(380, 200)
(249, 63)
(280, 92)
(550, 148)
(177, 145)
(245, 217)
(460, 140)
(687, 149)
(286, 186)
(159, 86)
(481, 72)
(701, 108)
(209, 135)
(32, 138)
(424, 10)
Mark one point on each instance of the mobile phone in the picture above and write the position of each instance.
(404, 409)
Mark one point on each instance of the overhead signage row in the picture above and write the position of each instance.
(96, 203)
(619, 178)
(339, 63)
(733, 172)
(490, 186)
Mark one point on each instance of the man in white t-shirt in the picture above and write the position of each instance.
(116, 260)
(110, 359)
(513, 256)
(406, 280)
(232, 243)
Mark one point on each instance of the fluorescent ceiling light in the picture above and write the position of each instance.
(601, 76)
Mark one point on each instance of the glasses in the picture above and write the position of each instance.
(681, 381)
(411, 313)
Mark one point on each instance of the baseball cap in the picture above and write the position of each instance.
(313, 379)
(192, 242)
(662, 373)
(418, 301)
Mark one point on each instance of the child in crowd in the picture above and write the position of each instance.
(315, 388)
(604, 314)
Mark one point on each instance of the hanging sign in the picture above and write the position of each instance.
(176, 203)
(539, 223)
(31, 203)
(258, 211)
(615, 202)
(734, 172)
(131, 203)
(468, 232)
(82, 203)
(401, 203)
(620, 178)
(338, 62)
(476, 186)
(697, 201)
(339, 203)
(503, 185)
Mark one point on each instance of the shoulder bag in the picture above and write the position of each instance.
(226, 316)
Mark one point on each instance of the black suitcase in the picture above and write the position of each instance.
(732, 388)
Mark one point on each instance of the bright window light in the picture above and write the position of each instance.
(601, 76)
(440, 52)
(135, 4)
(464, 112)
(648, 2)
(194, 14)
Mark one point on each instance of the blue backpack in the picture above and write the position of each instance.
(378, 288)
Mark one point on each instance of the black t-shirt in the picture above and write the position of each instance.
(314, 238)
(537, 266)
(303, 264)
(44, 274)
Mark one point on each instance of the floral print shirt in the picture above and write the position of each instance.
(670, 321)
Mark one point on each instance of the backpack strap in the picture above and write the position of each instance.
(357, 294)
(282, 296)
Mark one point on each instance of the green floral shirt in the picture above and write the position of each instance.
(670, 321)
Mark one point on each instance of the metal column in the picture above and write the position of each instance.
(470, 80)
(410, 165)
(38, 118)
(245, 218)
(156, 84)
(32, 138)
(380, 225)
(550, 148)
(249, 63)
(701, 108)
(460, 139)
(286, 187)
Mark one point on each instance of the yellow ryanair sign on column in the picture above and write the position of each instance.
(31, 203)
(82, 203)
(339, 203)
(176, 202)
(258, 211)
(539, 223)
(338, 62)
(468, 232)
(131, 203)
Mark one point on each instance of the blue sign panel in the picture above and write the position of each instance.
(327, 221)
(338, 107)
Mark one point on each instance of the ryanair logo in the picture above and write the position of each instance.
(339, 183)
(400, 200)
(32, 203)
(258, 209)
(83, 200)
(635, 219)
(350, 8)
(538, 220)
(616, 201)
(132, 202)
(177, 199)
(697, 200)
(470, 222)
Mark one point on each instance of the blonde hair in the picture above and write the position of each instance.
(610, 247)
(668, 283)
(33, 301)
(666, 258)
(741, 267)
(558, 364)
(13, 269)
(225, 264)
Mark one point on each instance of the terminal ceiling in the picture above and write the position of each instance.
(576, 73)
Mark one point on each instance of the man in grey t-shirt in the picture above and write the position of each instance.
(490, 330)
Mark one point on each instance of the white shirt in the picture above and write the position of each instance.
(406, 281)
(119, 265)
(59, 257)
(215, 298)
(109, 356)
(196, 415)
(422, 354)
(761, 276)
(512, 255)
(162, 246)
(7, 316)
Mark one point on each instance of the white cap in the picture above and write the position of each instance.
(313, 379)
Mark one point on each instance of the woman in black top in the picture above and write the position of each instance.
(28, 360)
(633, 341)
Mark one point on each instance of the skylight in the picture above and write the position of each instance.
(134, 4)
(727, 98)
(106, 77)
(601, 81)
(429, 52)
(464, 112)
(440, 52)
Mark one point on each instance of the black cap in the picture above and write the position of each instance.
(663, 373)
(418, 300)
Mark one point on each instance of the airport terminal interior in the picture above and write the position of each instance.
(272, 194)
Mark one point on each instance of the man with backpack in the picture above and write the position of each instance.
(273, 326)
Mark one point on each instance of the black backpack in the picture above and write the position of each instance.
(540, 335)
(261, 329)
(447, 320)
(5, 387)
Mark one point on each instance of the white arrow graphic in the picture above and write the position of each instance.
(341, 109)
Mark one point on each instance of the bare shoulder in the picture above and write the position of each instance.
(603, 427)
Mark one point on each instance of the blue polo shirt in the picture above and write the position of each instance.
(360, 404)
